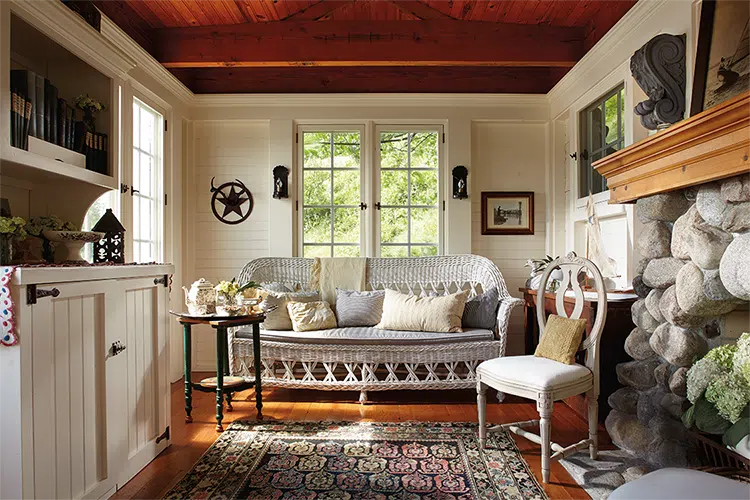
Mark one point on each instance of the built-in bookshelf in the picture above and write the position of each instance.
(43, 45)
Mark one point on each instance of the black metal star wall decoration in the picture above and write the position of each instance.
(233, 199)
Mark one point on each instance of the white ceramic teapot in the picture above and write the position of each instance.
(201, 298)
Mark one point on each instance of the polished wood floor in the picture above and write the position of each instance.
(190, 441)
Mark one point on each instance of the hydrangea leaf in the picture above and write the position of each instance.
(734, 434)
(707, 418)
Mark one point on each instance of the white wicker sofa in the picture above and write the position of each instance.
(365, 358)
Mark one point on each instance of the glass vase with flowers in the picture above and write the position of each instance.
(230, 297)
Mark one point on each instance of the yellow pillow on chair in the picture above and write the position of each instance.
(561, 339)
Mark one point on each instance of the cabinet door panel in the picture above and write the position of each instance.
(68, 387)
(145, 415)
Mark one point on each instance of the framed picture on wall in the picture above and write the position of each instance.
(722, 62)
(507, 212)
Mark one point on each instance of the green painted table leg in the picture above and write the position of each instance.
(221, 335)
(187, 353)
(257, 363)
(228, 395)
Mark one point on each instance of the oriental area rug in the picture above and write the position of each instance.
(359, 460)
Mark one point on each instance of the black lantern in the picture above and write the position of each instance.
(280, 182)
(111, 248)
(460, 190)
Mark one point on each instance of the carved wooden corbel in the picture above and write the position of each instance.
(659, 69)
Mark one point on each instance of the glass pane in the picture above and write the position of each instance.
(424, 187)
(316, 225)
(611, 109)
(425, 251)
(316, 187)
(622, 113)
(136, 125)
(346, 225)
(311, 251)
(394, 251)
(424, 225)
(145, 253)
(394, 150)
(146, 219)
(317, 150)
(595, 129)
(346, 150)
(144, 171)
(345, 187)
(394, 225)
(148, 124)
(424, 150)
(136, 218)
(394, 187)
(346, 251)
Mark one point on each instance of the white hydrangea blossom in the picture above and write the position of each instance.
(730, 394)
(700, 375)
(741, 361)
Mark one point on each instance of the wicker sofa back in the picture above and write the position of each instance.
(379, 367)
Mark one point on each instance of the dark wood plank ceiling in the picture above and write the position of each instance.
(303, 46)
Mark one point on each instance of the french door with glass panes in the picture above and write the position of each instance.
(407, 187)
(357, 199)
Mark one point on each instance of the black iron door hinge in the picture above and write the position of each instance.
(33, 293)
(164, 435)
(164, 280)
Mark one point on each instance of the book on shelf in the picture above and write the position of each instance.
(39, 106)
(21, 106)
(28, 113)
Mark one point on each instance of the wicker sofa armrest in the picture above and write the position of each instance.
(503, 319)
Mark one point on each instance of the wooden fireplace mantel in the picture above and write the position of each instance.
(711, 145)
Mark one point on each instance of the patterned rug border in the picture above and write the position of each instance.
(229, 435)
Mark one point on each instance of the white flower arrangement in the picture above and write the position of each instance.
(87, 103)
(718, 385)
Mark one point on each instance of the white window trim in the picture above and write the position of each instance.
(384, 127)
(364, 179)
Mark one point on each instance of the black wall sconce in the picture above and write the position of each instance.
(460, 189)
(280, 182)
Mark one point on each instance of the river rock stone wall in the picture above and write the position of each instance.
(694, 286)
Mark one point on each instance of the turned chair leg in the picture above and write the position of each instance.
(544, 406)
(593, 418)
(482, 411)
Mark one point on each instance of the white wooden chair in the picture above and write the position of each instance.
(547, 381)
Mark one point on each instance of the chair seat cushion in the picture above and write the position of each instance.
(681, 484)
(533, 372)
(369, 335)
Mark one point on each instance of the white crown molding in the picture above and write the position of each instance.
(146, 61)
(67, 28)
(562, 95)
(364, 100)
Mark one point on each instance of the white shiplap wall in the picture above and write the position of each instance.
(228, 150)
(510, 156)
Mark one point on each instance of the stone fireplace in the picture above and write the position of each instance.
(694, 286)
(691, 185)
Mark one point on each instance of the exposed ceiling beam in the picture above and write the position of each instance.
(419, 9)
(318, 10)
(367, 79)
(370, 43)
(128, 20)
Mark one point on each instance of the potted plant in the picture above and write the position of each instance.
(718, 386)
(36, 226)
(230, 299)
(90, 107)
(11, 230)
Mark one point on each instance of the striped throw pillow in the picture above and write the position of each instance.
(481, 311)
(355, 308)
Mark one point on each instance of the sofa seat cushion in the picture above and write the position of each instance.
(532, 372)
(369, 335)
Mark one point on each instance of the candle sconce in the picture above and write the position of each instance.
(460, 188)
(280, 182)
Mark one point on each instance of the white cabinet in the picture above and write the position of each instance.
(80, 415)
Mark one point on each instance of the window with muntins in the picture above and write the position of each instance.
(381, 200)
(602, 133)
(147, 192)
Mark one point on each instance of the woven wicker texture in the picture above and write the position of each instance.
(379, 367)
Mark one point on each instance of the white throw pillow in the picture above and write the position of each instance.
(277, 315)
(422, 314)
(310, 316)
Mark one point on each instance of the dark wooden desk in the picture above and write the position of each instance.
(618, 326)
(222, 384)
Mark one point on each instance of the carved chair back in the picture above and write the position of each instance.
(571, 266)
